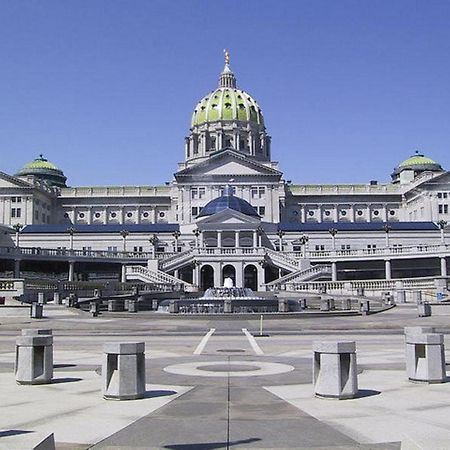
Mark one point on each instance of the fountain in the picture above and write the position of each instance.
(218, 300)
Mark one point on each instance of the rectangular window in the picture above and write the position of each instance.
(13, 212)
(439, 195)
(201, 192)
(112, 249)
(13, 199)
(320, 247)
(345, 246)
(36, 215)
(445, 210)
(194, 211)
(137, 249)
(194, 193)
(441, 209)
(445, 195)
(262, 210)
(258, 191)
(19, 212)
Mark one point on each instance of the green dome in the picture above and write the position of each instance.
(417, 160)
(227, 104)
(45, 170)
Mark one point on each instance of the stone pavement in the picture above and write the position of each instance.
(211, 385)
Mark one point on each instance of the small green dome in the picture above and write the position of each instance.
(45, 170)
(418, 160)
(227, 104)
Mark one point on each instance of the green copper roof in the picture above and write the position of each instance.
(44, 169)
(227, 104)
(417, 160)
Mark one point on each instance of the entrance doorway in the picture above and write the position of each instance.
(229, 272)
(206, 277)
(251, 277)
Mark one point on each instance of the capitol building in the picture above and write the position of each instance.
(226, 213)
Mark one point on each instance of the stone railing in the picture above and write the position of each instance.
(152, 276)
(319, 269)
(282, 258)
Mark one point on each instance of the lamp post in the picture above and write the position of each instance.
(197, 233)
(333, 232)
(442, 224)
(153, 241)
(176, 235)
(303, 241)
(280, 234)
(18, 227)
(387, 229)
(124, 234)
(71, 231)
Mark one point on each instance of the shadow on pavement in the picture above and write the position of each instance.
(14, 432)
(153, 394)
(211, 445)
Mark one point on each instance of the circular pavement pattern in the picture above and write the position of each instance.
(228, 368)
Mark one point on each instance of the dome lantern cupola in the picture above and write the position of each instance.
(45, 170)
(414, 166)
(227, 117)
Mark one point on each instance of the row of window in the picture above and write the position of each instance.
(443, 209)
(343, 212)
(195, 210)
(442, 195)
(200, 192)
(113, 215)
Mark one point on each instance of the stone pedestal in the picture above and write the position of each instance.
(416, 297)
(34, 359)
(37, 311)
(425, 359)
(418, 330)
(325, 304)
(57, 298)
(94, 308)
(335, 369)
(364, 307)
(346, 304)
(37, 332)
(332, 304)
(154, 305)
(424, 310)
(283, 305)
(400, 296)
(360, 292)
(133, 306)
(173, 307)
(123, 370)
(41, 298)
(388, 299)
(303, 303)
(227, 306)
(73, 300)
(116, 305)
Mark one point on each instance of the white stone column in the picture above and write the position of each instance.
(217, 274)
(387, 269)
(261, 275)
(333, 271)
(255, 239)
(123, 277)
(352, 213)
(219, 239)
(236, 238)
(239, 268)
(368, 218)
(336, 213)
(71, 270)
(443, 267)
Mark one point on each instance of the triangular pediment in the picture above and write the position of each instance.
(8, 181)
(228, 163)
(229, 217)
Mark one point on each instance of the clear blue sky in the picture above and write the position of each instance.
(105, 89)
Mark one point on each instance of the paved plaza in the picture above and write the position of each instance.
(211, 384)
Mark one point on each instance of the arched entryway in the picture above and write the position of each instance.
(229, 271)
(206, 277)
(251, 277)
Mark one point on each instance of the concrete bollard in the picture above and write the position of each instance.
(419, 330)
(425, 358)
(37, 332)
(155, 305)
(400, 296)
(388, 299)
(303, 303)
(116, 305)
(133, 306)
(346, 304)
(283, 305)
(332, 304)
(324, 304)
(34, 359)
(416, 297)
(37, 311)
(41, 298)
(424, 310)
(73, 300)
(123, 370)
(94, 308)
(335, 369)
(174, 307)
(364, 307)
(97, 293)
(227, 306)
(57, 298)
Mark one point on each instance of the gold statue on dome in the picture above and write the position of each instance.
(227, 56)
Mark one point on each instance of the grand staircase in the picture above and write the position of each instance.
(176, 261)
(310, 274)
(146, 275)
(282, 260)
